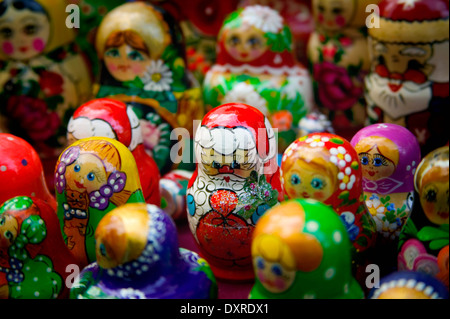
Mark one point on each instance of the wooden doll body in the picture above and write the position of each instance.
(93, 176)
(43, 76)
(21, 171)
(33, 257)
(339, 61)
(408, 82)
(113, 119)
(143, 64)
(236, 181)
(138, 257)
(256, 66)
(301, 250)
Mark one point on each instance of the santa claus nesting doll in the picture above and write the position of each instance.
(236, 181)
(408, 82)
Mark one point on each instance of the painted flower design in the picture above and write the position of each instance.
(336, 89)
(158, 77)
(246, 93)
(348, 218)
(389, 229)
(318, 141)
(263, 18)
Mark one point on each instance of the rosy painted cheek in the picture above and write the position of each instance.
(255, 53)
(320, 18)
(279, 283)
(137, 69)
(234, 53)
(260, 275)
(340, 21)
(38, 44)
(8, 48)
(319, 195)
(112, 67)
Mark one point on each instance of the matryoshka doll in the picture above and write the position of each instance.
(339, 60)
(409, 285)
(173, 187)
(138, 257)
(143, 64)
(43, 76)
(408, 83)
(114, 119)
(93, 176)
(326, 167)
(256, 66)
(424, 239)
(21, 172)
(236, 181)
(33, 257)
(301, 250)
(389, 156)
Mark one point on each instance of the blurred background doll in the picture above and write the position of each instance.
(43, 76)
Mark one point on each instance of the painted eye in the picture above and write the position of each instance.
(295, 179)
(253, 42)
(276, 270)
(364, 160)
(30, 29)
(321, 8)
(102, 250)
(260, 263)
(135, 56)
(8, 235)
(317, 183)
(377, 162)
(113, 53)
(235, 165)
(90, 176)
(337, 11)
(431, 195)
(214, 164)
(2, 221)
(6, 33)
(234, 40)
(76, 168)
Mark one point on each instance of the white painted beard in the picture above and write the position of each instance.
(408, 99)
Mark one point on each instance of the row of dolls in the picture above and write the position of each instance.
(307, 227)
(400, 76)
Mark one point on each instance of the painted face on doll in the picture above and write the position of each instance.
(9, 229)
(24, 34)
(376, 166)
(306, 180)
(126, 56)
(84, 175)
(237, 164)
(399, 58)
(245, 43)
(435, 201)
(273, 276)
(333, 15)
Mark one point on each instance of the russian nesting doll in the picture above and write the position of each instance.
(138, 257)
(339, 61)
(301, 250)
(408, 82)
(21, 171)
(43, 76)
(236, 181)
(173, 187)
(426, 233)
(409, 285)
(256, 65)
(143, 64)
(326, 167)
(33, 256)
(93, 176)
(389, 155)
(114, 119)
(298, 15)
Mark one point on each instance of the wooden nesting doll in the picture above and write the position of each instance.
(21, 172)
(236, 181)
(301, 250)
(138, 257)
(143, 64)
(409, 82)
(409, 285)
(173, 187)
(114, 119)
(326, 167)
(256, 65)
(298, 15)
(426, 233)
(43, 76)
(33, 256)
(389, 156)
(339, 61)
(93, 176)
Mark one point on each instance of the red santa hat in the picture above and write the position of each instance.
(108, 118)
(412, 21)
